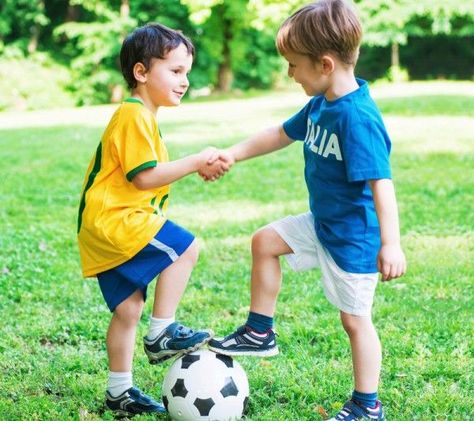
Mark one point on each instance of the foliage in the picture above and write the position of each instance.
(234, 39)
(20, 88)
(52, 352)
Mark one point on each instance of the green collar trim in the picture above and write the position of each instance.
(135, 100)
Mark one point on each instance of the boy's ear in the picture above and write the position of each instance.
(140, 72)
(328, 64)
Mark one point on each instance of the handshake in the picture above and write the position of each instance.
(214, 163)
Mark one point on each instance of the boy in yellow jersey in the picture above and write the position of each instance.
(124, 237)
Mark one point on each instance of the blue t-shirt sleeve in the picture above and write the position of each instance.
(295, 127)
(366, 150)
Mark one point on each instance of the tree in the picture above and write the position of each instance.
(93, 46)
(21, 21)
(391, 22)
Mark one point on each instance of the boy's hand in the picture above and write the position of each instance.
(391, 262)
(207, 155)
(217, 165)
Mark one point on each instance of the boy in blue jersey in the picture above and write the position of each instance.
(351, 231)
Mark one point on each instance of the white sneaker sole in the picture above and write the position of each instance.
(267, 353)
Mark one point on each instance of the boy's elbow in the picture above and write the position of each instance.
(140, 181)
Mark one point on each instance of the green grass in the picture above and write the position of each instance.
(52, 352)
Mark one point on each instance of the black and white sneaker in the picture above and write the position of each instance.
(133, 402)
(354, 411)
(245, 341)
(175, 340)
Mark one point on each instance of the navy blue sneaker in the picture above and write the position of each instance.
(244, 341)
(175, 340)
(133, 402)
(354, 411)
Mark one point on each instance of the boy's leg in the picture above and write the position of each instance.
(172, 283)
(366, 351)
(121, 396)
(366, 360)
(257, 337)
(167, 338)
(121, 333)
(267, 247)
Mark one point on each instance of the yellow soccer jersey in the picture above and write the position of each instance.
(116, 220)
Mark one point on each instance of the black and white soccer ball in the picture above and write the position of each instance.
(204, 385)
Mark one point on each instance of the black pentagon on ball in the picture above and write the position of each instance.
(246, 405)
(179, 389)
(188, 359)
(228, 361)
(229, 389)
(165, 402)
(204, 406)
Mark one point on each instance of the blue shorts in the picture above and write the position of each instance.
(119, 283)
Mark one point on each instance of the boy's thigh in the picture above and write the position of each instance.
(352, 293)
(163, 250)
(300, 235)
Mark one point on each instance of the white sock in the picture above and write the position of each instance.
(157, 326)
(119, 382)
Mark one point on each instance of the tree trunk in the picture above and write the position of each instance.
(72, 13)
(395, 55)
(225, 75)
(125, 9)
(33, 43)
(117, 92)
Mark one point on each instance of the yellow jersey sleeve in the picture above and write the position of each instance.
(135, 144)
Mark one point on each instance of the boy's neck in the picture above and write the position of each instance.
(343, 82)
(145, 100)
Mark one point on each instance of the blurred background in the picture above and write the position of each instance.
(57, 53)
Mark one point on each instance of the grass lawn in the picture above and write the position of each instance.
(52, 352)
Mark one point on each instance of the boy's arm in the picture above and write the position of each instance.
(264, 142)
(168, 172)
(390, 261)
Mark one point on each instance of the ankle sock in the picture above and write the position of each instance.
(119, 382)
(157, 326)
(259, 322)
(366, 399)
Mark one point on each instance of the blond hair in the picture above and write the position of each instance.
(327, 26)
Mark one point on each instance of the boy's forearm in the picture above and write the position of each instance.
(264, 142)
(387, 212)
(166, 173)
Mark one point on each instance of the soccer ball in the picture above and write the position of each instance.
(204, 385)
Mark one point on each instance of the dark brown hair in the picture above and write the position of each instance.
(150, 41)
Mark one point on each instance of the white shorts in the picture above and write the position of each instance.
(352, 293)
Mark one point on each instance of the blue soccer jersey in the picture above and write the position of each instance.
(345, 145)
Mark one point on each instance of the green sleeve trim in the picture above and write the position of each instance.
(144, 166)
(135, 100)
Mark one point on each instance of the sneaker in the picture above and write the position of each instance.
(133, 402)
(245, 341)
(353, 411)
(175, 340)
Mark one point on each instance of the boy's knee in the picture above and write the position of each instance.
(354, 324)
(192, 253)
(260, 240)
(130, 310)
